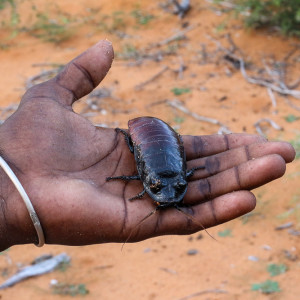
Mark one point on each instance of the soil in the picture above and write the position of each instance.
(210, 84)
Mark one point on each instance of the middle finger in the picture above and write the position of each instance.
(225, 160)
(245, 176)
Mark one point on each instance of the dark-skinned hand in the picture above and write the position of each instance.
(62, 161)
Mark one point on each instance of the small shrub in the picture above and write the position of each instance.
(69, 289)
(275, 269)
(296, 144)
(50, 30)
(266, 287)
(179, 91)
(14, 16)
(141, 17)
(281, 14)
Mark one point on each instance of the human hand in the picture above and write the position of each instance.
(62, 161)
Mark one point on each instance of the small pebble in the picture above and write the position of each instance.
(253, 258)
(267, 247)
(53, 282)
(284, 226)
(199, 236)
(192, 252)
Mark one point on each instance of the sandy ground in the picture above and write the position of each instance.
(148, 67)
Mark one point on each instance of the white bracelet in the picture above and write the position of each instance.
(32, 213)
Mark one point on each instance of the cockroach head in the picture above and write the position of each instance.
(166, 187)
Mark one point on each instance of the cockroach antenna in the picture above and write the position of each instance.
(139, 224)
(195, 221)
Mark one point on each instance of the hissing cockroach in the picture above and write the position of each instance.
(160, 159)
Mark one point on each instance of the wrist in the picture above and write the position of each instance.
(15, 224)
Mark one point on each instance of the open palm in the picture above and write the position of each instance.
(63, 160)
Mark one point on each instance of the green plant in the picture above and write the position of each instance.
(63, 266)
(179, 120)
(225, 233)
(50, 30)
(275, 269)
(129, 51)
(112, 23)
(179, 91)
(282, 14)
(69, 289)
(141, 18)
(118, 20)
(266, 287)
(249, 216)
(291, 118)
(14, 16)
(296, 144)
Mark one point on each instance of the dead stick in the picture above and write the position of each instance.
(271, 122)
(291, 104)
(280, 90)
(272, 97)
(295, 84)
(174, 37)
(212, 291)
(176, 104)
(279, 81)
(294, 93)
(141, 85)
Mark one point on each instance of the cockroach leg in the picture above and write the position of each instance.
(138, 196)
(125, 178)
(191, 172)
(127, 139)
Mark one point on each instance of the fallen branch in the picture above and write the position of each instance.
(291, 104)
(37, 269)
(295, 84)
(178, 105)
(177, 36)
(282, 89)
(272, 97)
(141, 85)
(277, 75)
(95, 100)
(212, 291)
(269, 121)
(7, 111)
(43, 76)
(181, 68)
(262, 82)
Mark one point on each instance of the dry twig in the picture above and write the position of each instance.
(42, 76)
(272, 97)
(212, 291)
(141, 85)
(178, 105)
(258, 128)
(263, 82)
(7, 111)
(177, 36)
(279, 86)
(182, 67)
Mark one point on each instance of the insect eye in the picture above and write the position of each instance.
(155, 185)
(181, 186)
(155, 188)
